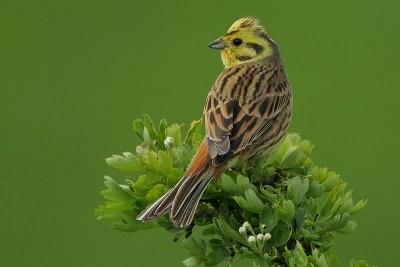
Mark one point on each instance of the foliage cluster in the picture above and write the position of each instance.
(280, 211)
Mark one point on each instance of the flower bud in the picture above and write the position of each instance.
(169, 142)
(141, 149)
(246, 225)
(242, 230)
(260, 237)
(251, 239)
(267, 237)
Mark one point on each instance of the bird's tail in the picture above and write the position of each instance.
(183, 198)
(188, 196)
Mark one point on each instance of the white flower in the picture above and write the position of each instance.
(246, 225)
(169, 142)
(242, 230)
(251, 239)
(260, 237)
(141, 149)
(267, 237)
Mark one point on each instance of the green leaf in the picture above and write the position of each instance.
(339, 221)
(156, 192)
(195, 134)
(233, 222)
(334, 209)
(300, 217)
(227, 184)
(114, 193)
(298, 257)
(359, 206)
(347, 203)
(229, 232)
(331, 182)
(161, 133)
(174, 131)
(269, 217)
(196, 247)
(293, 156)
(332, 202)
(182, 154)
(297, 188)
(268, 191)
(174, 176)
(348, 228)
(138, 127)
(209, 230)
(218, 254)
(316, 189)
(261, 262)
(147, 138)
(254, 202)
(281, 234)
(192, 262)
(288, 210)
(119, 207)
(243, 182)
(148, 123)
(307, 235)
(159, 163)
(145, 182)
(165, 162)
(358, 263)
(127, 162)
(251, 203)
(317, 260)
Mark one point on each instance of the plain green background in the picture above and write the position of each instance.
(74, 74)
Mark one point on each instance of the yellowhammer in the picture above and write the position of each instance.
(247, 112)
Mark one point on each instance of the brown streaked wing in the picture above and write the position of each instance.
(242, 105)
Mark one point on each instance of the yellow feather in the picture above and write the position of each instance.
(245, 22)
(253, 35)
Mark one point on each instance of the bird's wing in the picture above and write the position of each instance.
(242, 105)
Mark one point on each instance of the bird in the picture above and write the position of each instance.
(247, 113)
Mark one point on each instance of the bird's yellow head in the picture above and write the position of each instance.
(246, 41)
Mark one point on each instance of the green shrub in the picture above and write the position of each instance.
(279, 211)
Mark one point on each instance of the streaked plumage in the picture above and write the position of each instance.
(247, 112)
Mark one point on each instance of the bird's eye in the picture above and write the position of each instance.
(237, 42)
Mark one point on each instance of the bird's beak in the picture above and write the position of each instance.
(217, 44)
